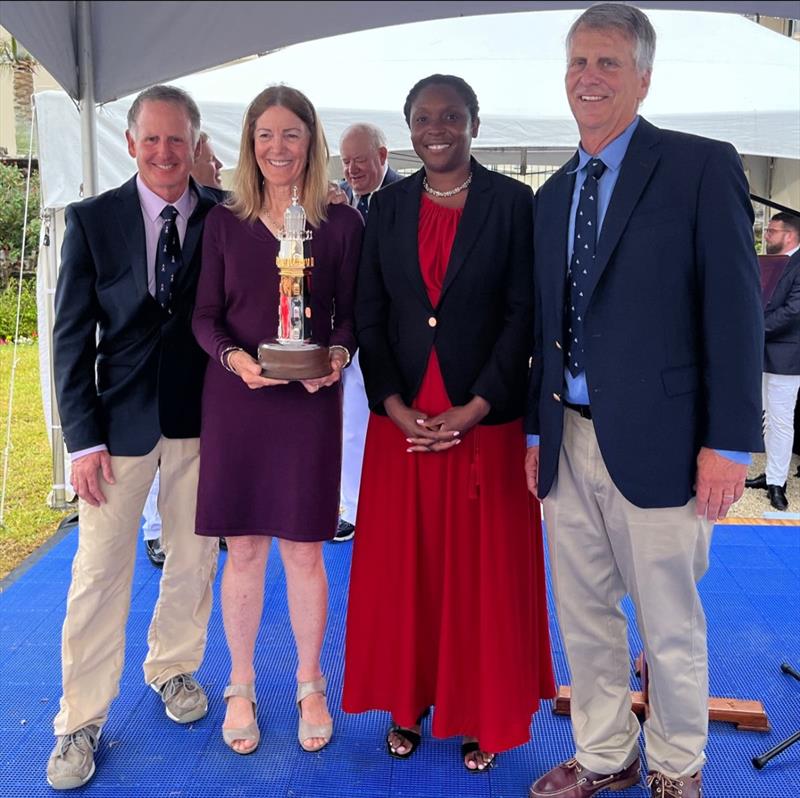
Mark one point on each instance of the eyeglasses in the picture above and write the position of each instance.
(774, 230)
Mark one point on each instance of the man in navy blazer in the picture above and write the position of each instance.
(365, 163)
(781, 359)
(128, 376)
(644, 403)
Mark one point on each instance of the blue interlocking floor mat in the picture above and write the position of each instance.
(752, 600)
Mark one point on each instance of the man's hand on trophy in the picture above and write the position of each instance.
(335, 194)
(249, 369)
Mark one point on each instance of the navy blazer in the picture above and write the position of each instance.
(673, 324)
(390, 177)
(782, 322)
(126, 371)
(481, 325)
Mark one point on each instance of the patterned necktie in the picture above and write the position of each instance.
(581, 264)
(363, 206)
(168, 257)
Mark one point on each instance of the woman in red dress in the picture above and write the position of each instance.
(447, 599)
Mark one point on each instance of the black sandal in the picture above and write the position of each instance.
(413, 738)
(471, 748)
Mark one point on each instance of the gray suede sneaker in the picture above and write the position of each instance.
(183, 697)
(71, 764)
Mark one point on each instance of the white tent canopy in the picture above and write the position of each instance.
(129, 45)
(724, 58)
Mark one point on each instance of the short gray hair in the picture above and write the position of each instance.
(166, 94)
(629, 21)
(376, 135)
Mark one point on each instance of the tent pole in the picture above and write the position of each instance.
(57, 499)
(86, 92)
(89, 160)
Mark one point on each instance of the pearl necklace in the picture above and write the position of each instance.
(444, 194)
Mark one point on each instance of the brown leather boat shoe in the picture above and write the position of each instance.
(571, 780)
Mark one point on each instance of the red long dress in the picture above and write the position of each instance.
(447, 599)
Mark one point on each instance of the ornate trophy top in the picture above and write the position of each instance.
(293, 256)
(294, 221)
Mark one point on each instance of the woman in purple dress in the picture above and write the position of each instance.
(270, 450)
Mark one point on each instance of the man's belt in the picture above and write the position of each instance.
(584, 411)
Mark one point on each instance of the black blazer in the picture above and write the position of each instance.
(782, 322)
(673, 326)
(481, 326)
(126, 372)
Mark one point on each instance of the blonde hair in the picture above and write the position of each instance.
(248, 182)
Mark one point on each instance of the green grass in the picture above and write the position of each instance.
(27, 520)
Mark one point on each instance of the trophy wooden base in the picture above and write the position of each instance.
(293, 362)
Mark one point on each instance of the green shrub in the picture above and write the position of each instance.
(8, 310)
(12, 214)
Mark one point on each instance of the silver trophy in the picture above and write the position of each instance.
(292, 354)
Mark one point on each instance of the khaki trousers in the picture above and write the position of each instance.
(93, 637)
(602, 547)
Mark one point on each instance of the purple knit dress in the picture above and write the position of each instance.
(270, 458)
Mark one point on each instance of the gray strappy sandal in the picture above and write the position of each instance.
(305, 729)
(249, 733)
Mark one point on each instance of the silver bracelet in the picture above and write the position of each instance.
(342, 349)
(225, 357)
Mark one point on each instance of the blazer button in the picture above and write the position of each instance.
(432, 321)
(556, 397)
(558, 344)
